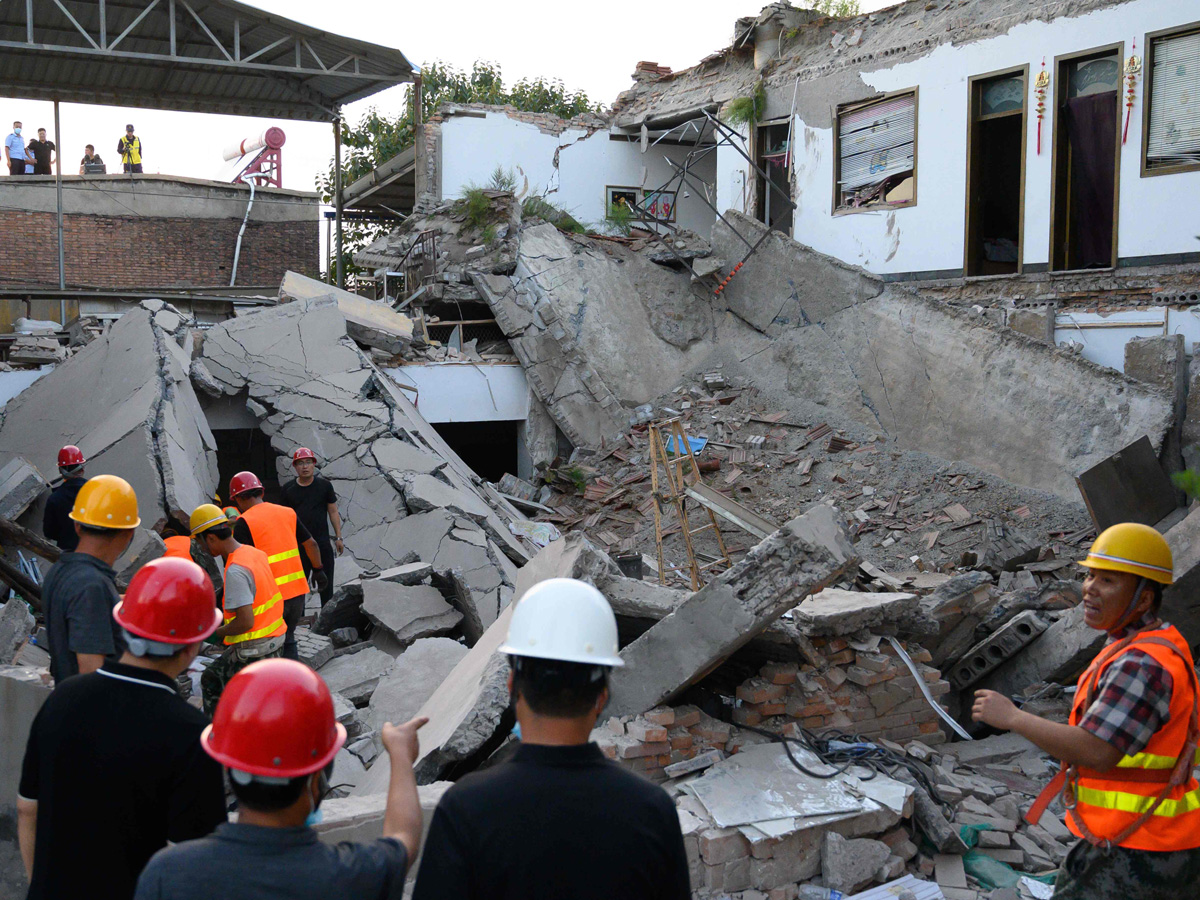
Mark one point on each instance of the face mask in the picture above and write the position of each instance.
(314, 818)
(16, 131)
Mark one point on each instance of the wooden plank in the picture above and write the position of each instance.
(1129, 486)
(739, 515)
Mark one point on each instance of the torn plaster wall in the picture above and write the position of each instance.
(571, 168)
(127, 401)
(404, 495)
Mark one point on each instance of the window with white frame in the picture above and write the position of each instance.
(876, 153)
(1172, 141)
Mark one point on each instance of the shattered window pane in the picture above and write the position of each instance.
(876, 152)
(1174, 134)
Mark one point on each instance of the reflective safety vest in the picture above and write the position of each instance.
(179, 547)
(1109, 803)
(268, 603)
(273, 528)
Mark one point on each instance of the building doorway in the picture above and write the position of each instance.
(1087, 142)
(773, 154)
(996, 173)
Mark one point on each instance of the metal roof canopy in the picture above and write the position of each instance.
(389, 189)
(213, 56)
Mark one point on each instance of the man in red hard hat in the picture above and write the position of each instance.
(114, 768)
(315, 501)
(278, 532)
(56, 519)
(276, 735)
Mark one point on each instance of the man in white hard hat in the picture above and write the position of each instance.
(558, 819)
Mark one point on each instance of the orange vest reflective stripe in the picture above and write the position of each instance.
(179, 547)
(268, 604)
(273, 528)
(1107, 802)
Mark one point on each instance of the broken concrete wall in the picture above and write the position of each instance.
(126, 400)
(598, 328)
(404, 495)
(939, 380)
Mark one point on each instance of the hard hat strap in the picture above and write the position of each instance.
(1131, 610)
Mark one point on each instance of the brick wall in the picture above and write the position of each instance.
(152, 252)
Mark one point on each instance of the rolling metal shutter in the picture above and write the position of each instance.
(876, 142)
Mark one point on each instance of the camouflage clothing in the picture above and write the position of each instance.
(1089, 873)
(235, 658)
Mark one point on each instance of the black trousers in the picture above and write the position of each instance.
(16, 167)
(133, 167)
(293, 612)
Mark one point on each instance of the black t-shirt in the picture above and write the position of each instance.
(78, 597)
(41, 153)
(115, 764)
(57, 525)
(554, 822)
(250, 862)
(311, 503)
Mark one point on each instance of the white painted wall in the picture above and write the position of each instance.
(462, 392)
(1104, 336)
(1157, 215)
(733, 177)
(472, 148)
(12, 383)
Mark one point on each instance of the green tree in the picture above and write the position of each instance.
(838, 9)
(376, 137)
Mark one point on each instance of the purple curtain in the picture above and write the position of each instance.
(1092, 133)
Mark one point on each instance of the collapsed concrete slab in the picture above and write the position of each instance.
(804, 556)
(838, 612)
(1059, 654)
(310, 385)
(355, 675)
(20, 485)
(417, 674)
(408, 613)
(126, 400)
(16, 625)
(367, 321)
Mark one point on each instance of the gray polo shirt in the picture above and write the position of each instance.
(78, 597)
(250, 862)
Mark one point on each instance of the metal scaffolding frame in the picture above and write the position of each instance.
(683, 177)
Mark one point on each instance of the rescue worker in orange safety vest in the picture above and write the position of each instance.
(253, 626)
(1130, 744)
(278, 532)
(179, 546)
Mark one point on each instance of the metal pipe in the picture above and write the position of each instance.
(237, 250)
(337, 196)
(62, 272)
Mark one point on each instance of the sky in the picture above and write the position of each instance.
(591, 47)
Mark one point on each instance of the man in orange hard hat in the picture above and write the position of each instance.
(278, 532)
(80, 590)
(252, 626)
(1130, 744)
(313, 498)
(113, 768)
(56, 519)
(275, 732)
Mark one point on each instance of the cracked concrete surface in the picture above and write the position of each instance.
(127, 401)
(405, 496)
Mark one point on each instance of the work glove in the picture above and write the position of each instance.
(320, 579)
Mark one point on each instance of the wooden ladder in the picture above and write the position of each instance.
(679, 467)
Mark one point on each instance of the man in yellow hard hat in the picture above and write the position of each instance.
(253, 626)
(80, 590)
(1130, 743)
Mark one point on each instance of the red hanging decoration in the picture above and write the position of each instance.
(1039, 89)
(1133, 66)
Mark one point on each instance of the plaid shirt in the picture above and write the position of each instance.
(1133, 697)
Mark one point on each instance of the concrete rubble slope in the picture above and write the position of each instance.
(416, 675)
(310, 385)
(126, 400)
(805, 555)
